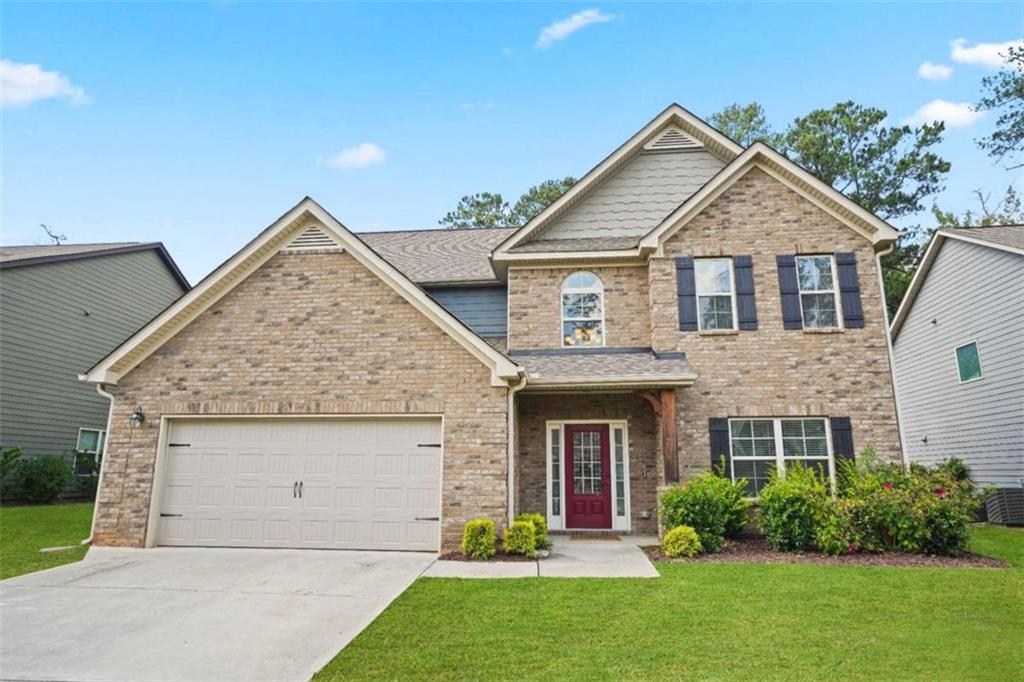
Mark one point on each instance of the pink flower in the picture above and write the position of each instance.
(852, 549)
(887, 485)
(941, 492)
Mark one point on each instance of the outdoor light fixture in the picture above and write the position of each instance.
(138, 416)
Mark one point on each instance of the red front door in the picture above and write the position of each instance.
(588, 479)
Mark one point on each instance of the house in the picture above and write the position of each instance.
(61, 309)
(958, 339)
(687, 302)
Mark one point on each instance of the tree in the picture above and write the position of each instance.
(477, 210)
(491, 210)
(1004, 92)
(1009, 211)
(888, 170)
(539, 197)
(745, 124)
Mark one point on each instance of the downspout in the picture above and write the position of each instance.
(892, 355)
(103, 462)
(512, 390)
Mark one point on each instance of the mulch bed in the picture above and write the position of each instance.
(500, 556)
(757, 551)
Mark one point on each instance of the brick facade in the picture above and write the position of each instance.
(773, 371)
(311, 333)
(531, 472)
(535, 308)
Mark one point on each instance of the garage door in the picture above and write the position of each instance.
(312, 483)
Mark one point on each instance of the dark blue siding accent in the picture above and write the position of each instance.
(482, 309)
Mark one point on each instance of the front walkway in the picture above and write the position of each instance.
(569, 558)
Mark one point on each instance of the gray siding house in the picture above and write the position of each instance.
(958, 341)
(61, 309)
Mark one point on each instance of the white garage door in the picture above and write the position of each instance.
(315, 483)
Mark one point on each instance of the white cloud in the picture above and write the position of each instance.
(563, 28)
(954, 114)
(478, 106)
(934, 72)
(361, 156)
(987, 54)
(22, 84)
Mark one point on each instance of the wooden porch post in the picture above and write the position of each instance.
(664, 405)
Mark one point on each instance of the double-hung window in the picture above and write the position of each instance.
(763, 447)
(582, 310)
(716, 295)
(819, 304)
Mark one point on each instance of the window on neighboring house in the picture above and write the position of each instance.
(818, 299)
(968, 362)
(89, 450)
(762, 447)
(716, 300)
(582, 310)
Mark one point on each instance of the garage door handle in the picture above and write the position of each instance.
(428, 518)
(295, 489)
(164, 516)
(300, 490)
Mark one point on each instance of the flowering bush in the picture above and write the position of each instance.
(681, 541)
(712, 505)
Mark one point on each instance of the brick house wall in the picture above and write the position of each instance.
(531, 466)
(772, 371)
(311, 333)
(535, 306)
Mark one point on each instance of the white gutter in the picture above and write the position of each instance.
(512, 390)
(892, 355)
(103, 461)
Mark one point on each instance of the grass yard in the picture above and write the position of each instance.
(26, 530)
(710, 621)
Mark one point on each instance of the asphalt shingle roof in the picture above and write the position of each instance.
(433, 256)
(11, 254)
(639, 365)
(1003, 235)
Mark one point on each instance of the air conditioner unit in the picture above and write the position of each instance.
(1005, 506)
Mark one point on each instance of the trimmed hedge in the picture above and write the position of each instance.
(521, 538)
(712, 505)
(540, 527)
(681, 541)
(479, 539)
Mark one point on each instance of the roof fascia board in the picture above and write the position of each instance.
(237, 268)
(620, 381)
(916, 282)
(674, 114)
(762, 156)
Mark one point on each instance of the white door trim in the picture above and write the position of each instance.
(557, 522)
(160, 466)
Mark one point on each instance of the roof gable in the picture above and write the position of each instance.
(674, 116)
(283, 232)
(25, 256)
(999, 237)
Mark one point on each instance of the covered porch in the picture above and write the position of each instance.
(595, 438)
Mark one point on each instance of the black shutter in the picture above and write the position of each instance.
(718, 432)
(842, 439)
(789, 293)
(746, 310)
(849, 290)
(686, 289)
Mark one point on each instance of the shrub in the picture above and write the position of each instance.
(8, 466)
(837, 533)
(956, 468)
(479, 539)
(712, 505)
(41, 480)
(792, 508)
(540, 527)
(521, 538)
(681, 541)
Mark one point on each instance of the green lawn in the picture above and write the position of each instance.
(26, 530)
(709, 621)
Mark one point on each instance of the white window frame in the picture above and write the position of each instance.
(956, 362)
(557, 521)
(731, 294)
(101, 441)
(834, 290)
(780, 458)
(563, 290)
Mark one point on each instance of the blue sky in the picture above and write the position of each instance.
(197, 125)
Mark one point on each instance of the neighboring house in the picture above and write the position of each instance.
(958, 339)
(687, 302)
(61, 309)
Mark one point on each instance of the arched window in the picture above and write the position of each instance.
(582, 310)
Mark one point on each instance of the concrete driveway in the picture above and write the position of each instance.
(195, 614)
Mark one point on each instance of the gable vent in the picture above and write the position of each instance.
(672, 139)
(312, 238)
